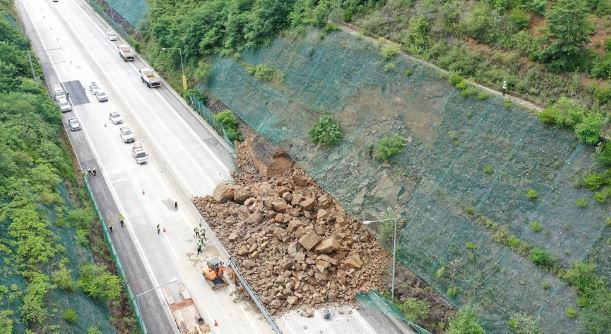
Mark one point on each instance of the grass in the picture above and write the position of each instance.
(70, 316)
(535, 226)
(263, 72)
(542, 258)
(415, 310)
(471, 245)
(570, 312)
(390, 50)
(488, 169)
(452, 291)
(532, 194)
(388, 147)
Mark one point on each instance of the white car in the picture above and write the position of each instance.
(139, 154)
(101, 95)
(115, 118)
(127, 135)
(111, 35)
(64, 104)
(74, 124)
(58, 91)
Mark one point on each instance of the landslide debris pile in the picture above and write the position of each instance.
(294, 243)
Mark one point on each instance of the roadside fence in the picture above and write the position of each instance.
(208, 116)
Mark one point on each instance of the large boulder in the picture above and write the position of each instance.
(223, 192)
(241, 194)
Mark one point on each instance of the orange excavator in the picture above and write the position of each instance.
(215, 273)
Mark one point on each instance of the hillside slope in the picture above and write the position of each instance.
(467, 162)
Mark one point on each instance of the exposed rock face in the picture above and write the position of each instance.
(294, 243)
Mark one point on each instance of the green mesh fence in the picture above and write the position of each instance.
(375, 301)
(462, 155)
(208, 116)
(90, 313)
(133, 11)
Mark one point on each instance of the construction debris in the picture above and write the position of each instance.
(295, 245)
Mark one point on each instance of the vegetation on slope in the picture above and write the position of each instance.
(35, 218)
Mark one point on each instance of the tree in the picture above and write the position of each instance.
(465, 322)
(566, 35)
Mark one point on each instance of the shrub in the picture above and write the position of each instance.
(389, 146)
(70, 316)
(62, 278)
(465, 322)
(203, 71)
(519, 18)
(603, 95)
(595, 181)
(483, 96)
(390, 50)
(535, 226)
(603, 195)
(97, 282)
(417, 38)
(415, 310)
(488, 169)
(455, 79)
(601, 68)
(196, 94)
(471, 245)
(532, 194)
(230, 123)
(536, 6)
(6, 322)
(326, 131)
(588, 131)
(507, 103)
(94, 330)
(581, 203)
(389, 67)
(263, 72)
(603, 155)
(541, 257)
(524, 324)
(565, 113)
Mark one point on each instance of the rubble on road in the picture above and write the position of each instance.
(295, 244)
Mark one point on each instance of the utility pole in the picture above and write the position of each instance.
(394, 251)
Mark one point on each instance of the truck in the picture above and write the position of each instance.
(149, 77)
(139, 155)
(126, 52)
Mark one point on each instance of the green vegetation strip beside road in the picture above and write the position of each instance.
(46, 222)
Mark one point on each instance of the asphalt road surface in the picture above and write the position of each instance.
(186, 158)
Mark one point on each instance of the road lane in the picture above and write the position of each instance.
(175, 171)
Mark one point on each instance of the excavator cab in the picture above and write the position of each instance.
(214, 273)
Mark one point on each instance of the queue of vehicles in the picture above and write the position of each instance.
(147, 75)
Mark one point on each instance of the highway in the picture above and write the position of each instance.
(185, 158)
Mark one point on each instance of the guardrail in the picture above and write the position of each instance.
(254, 297)
(117, 261)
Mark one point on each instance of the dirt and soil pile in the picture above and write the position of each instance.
(294, 243)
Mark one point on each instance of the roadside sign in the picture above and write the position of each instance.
(184, 82)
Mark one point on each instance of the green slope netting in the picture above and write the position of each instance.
(91, 313)
(440, 173)
(132, 10)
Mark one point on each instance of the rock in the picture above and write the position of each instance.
(309, 240)
(329, 259)
(322, 214)
(294, 224)
(241, 194)
(292, 300)
(233, 236)
(300, 257)
(279, 206)
(308, 203)
(243, 250)
(287, 196)
(300, 180)
(353, 262)
(249, 201)
(308, 312)
(322, 265)
(249, 264)
(328, 245)
(255, 218)
(223, 192)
